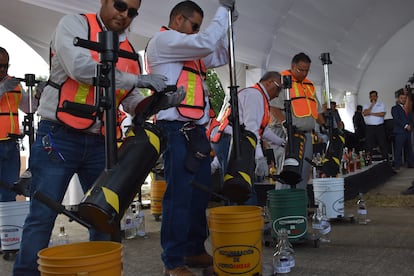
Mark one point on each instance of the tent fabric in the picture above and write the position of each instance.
(364, 38)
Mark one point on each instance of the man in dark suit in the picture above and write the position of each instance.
(402, 121)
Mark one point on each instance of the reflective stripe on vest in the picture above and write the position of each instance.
(303, 97)
(191, 77)
(9, 115)
(82, 93)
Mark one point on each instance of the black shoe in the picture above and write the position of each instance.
(409, 191)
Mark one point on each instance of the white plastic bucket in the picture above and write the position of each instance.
(330, 191)
(12, 216)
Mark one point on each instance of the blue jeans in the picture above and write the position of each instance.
(9, 167)
(184, 224)
(72, 152)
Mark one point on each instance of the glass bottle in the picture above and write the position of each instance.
(362, 158)
(316, 223)
(362, 210)
(62, 237)
(325, 228)
(283, 259)
(140, 221)
(344, 162)
(127, 224)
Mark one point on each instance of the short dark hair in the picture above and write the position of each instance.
(373, 92)
(4, 52)
(186, 8)
(399, 92)
(301, 57)
(359, 107)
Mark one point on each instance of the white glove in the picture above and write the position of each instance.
(228, 3)
(8, 85)
(154, 82)
(215, 164)
(262, 169)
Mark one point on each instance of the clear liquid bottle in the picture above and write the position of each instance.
(283, 259)
(127, 224)
(362, 210)
(316, 223)
(140, 221)
(325, 228)
(62, 237)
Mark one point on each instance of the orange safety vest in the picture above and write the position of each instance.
(225, 120)
(303, 97)
(191, 77)
(9, 112)
(82, 93)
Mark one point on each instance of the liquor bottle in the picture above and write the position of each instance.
(127, 224)
(140, 221)
(62, 237)
(325, 228)
(283, 259)
(362, 158)
(344, 162)
(362, 210)
(351, 162)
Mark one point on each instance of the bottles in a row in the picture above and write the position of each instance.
(352, 161)
(133, 221)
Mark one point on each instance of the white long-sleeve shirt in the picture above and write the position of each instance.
(77, 63)
(251, 111)
(167, 51)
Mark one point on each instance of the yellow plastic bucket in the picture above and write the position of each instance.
(95, 258)
(157, 191)
(236, 237)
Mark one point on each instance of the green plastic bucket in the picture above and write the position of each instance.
(288, 209)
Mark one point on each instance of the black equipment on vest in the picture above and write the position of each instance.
(291, 173)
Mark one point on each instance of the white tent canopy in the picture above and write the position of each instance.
(370, 42)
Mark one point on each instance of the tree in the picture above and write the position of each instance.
(215, 89)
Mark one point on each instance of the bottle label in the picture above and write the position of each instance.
(326, 229)
(316, 226)
(362, 211)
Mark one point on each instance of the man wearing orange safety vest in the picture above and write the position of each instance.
(254, 114)
(182, 52)
(306, 109)
(12, 98)
(70, 142)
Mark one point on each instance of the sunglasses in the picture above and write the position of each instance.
(195, 26)
(4, 65)
(122, 6)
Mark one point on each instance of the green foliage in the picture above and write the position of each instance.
(216, 90)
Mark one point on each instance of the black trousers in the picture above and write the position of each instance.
(376, 137)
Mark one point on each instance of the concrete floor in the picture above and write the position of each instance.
(385, 246)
